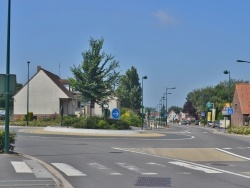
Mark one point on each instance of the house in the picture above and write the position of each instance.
(46, 94)
(241, 104)
(172, 116)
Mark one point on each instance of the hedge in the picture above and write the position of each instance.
(12, 139)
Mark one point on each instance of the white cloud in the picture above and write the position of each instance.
(163, 18)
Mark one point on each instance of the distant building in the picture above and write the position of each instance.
(172, 116)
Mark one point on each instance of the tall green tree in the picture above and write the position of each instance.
(129, 90)
(96, 77)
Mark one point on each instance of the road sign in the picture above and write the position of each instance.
(209, 104)
(230, 111)
(203, 114)
(116, 113)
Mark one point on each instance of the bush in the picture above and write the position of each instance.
(131, 118)
(12, 139)
(245, 130)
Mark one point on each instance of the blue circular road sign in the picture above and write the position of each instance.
(116, 113)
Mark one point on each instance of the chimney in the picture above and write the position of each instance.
(38, 68)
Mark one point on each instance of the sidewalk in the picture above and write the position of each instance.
(18, 171)
(135, 132)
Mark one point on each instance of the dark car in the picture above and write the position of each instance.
(184, 122)
(188, 122)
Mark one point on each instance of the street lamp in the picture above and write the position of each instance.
(243, 61)
(142, 118)
(167, 107)
(229, 97)
(7, 85)
(167, 100)
(27, 118)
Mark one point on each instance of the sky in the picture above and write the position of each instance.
(185, 44)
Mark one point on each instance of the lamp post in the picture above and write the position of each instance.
(243, 61)
(167, 107)
(229, 97)
(167, 100)
(27, 118)
(7, 85)
(162, 107)
(142, 118)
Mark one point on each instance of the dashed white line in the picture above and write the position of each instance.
(21, 167)
(104, 169)
(194, 167)
(233, 154)
(156, 164)
(68, 170)
(136, 169)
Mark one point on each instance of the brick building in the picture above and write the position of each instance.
(241, 104)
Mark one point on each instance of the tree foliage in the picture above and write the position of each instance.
(176, 109)
(129, 90)
(218, 95)
(96, 77)
(2, 97)
(190, 109)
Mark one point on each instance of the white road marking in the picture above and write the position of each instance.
(227, 148)
(233, 154)
(37, 169)
(224, 171)
(194, 167)
(241, 147)
(156, 164)
(21, 167)
(68, 170)
(136, 169)
(104, 169)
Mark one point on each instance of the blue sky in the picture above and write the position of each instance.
(185, 44)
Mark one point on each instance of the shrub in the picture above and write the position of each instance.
(131, 118)
(245, 130)
(12, 139)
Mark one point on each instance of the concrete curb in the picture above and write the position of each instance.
(61, 182)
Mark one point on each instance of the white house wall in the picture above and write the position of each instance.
(114, 103)
(44, 96)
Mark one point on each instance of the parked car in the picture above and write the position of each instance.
(184, 122)
(216, 123)
(188, 122)
(196, 122)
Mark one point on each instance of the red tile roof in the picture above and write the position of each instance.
(243, 92)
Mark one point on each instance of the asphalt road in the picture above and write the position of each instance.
(183, 157)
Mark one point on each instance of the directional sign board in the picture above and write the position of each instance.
(227, 111)
(116, 113)
(209, 104)
(230, 111)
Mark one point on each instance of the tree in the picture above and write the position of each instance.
(96, 77)
(219, 95)
(129, 90)
(176, 109)
(2, 97)
(190, 109)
